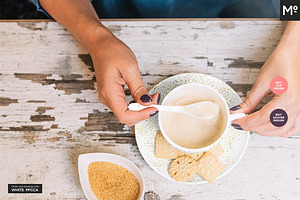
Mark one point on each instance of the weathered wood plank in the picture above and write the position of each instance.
(50, 113)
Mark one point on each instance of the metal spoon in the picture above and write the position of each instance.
(204, 110)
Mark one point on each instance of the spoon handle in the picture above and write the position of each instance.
(236, 116)
(138, 107)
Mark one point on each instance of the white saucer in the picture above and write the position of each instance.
(234, 142)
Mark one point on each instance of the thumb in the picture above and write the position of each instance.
(256, 94)
(139, 92)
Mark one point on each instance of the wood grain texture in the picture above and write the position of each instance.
(50, 114)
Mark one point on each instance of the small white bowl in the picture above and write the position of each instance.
(85, 159)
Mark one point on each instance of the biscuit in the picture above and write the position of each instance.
(209, 167)
(216, 150)
(182, 168)
(195, 156)
(163, 149)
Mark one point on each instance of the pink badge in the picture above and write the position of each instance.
(279, 85)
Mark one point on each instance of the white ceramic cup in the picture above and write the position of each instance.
(187, 90)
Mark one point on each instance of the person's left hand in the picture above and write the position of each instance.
(284, 62)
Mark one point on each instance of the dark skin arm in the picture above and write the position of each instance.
(115, 64)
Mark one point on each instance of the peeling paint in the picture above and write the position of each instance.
(30, 137)
(5, 101)
(73, 87)
(146, 32)
(195, 36)
(227, 25)
(102, 121)
(52, 193)
(33, 77)
(64, 66)
(87, 60)
(41, 118)
(32, 26)
(71, 77)
(42, 110)
(66, 134)
(127, 92)
(54, 139)
(242, 63)
(200, 57)
(69, 83)
(122, 138)
(109, 145)
(198, 28)
(36, 101)
(244, 88)
(25, 128)
(54, 126)
(176, 197)
(81, 101)
(114, 28)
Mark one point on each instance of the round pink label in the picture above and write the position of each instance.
(278, 85)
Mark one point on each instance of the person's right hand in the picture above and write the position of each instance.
(116, 65)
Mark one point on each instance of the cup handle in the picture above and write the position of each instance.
(236, 116)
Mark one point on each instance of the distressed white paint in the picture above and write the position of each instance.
(268, 170)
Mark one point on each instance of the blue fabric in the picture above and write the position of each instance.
(187, 8)
(183, 8)
(39, 7)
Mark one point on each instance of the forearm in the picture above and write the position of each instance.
(79, 17)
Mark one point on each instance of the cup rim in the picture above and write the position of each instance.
(202, 149)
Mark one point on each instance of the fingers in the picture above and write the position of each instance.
(120, 108)
(132, 77)
(267, 129)
(131, 118)
(257, 118)
(139, 92)
(260, 122)
(115, 98)
(263, 126)
(156, 98)
(258, 91)
(292, 131)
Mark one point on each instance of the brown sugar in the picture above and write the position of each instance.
(112, 182)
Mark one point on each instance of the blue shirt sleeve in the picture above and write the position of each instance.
(39, 7)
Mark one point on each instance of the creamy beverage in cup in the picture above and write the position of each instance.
(190, 134)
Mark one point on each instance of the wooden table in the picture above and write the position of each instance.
(50, 113)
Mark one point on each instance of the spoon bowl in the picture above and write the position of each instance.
(203, 110)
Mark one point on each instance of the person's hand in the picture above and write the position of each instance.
(116, 65)
(284, 62)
